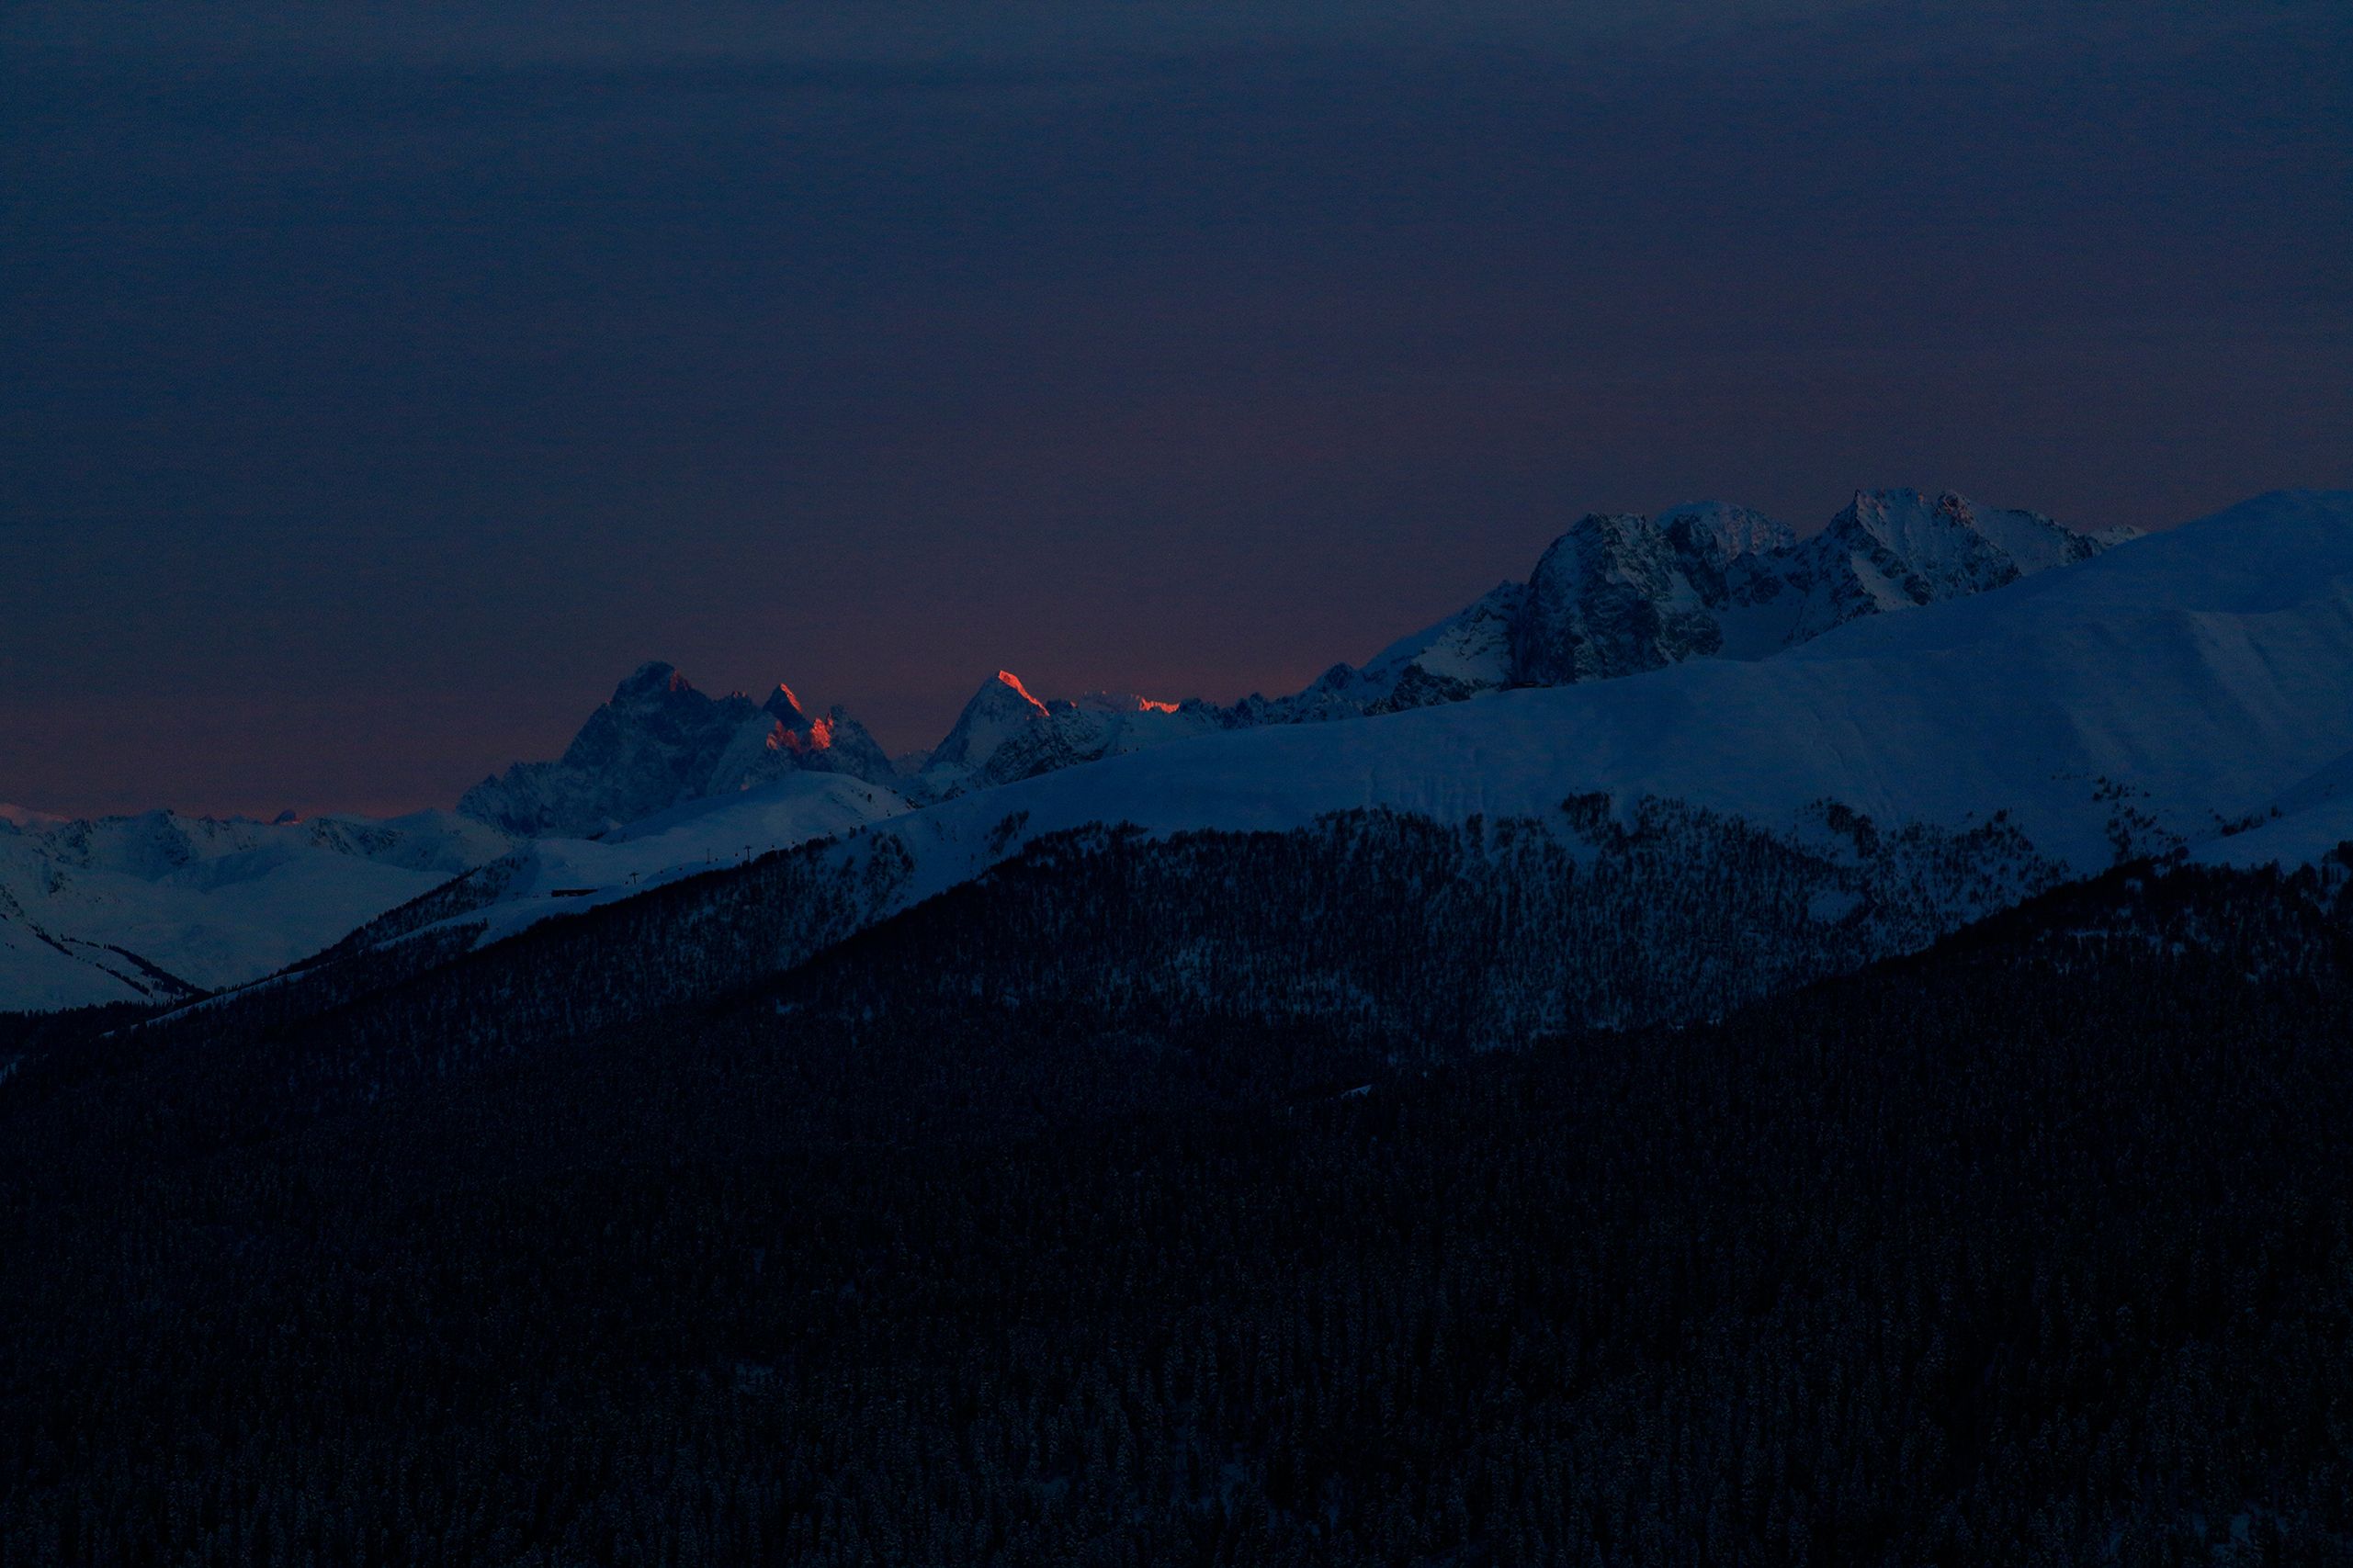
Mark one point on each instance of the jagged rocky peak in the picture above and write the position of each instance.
(1897, 549)
(1614, 596)
(1937, 548)
(1001, 708)
(1618, 594)
(1942, 537)
(653, 682)
(785, 708)
(1621, 593)
(660, 742)
(1721, 532)
(1006, 733)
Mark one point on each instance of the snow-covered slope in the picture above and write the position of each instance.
(1612, 596)
(158, 907)
(2138, 700)
(539, 877)
(150, 908)
(562, 876)
(2152, 699)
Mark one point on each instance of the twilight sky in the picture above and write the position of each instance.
(382, 382)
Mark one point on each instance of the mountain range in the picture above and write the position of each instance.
(1807, 1084)
(1921, 661)
(1616, 595)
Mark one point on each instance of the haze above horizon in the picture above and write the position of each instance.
(387, 388)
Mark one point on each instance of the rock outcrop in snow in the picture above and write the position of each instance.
(2155, 699)
(1004, 734)
(659, 743)
(1616, 595)
(1879, 784)
(1620, 593)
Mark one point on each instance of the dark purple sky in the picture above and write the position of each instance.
(378, 390)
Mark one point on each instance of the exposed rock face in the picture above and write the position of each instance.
(660, 742)
(784, 740)
(1620, 593)
(1005, 733)
(1897, 549)
(1612, 596)
(1617, 594)
(1720, 532)
(999, 712)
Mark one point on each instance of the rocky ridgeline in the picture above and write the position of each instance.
(1617, 594)
(659, 743)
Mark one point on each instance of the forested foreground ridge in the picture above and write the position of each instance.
(1432, 936)
(1048, 1222)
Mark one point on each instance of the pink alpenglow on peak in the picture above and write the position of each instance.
(660, 743)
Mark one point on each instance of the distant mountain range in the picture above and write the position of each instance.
(1921, 663)
(659, 743)
(161, 907)
(1616, 595)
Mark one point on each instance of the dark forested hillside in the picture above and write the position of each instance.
(1418, 937)
(1064, 1218)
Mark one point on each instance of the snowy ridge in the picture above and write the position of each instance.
(1005, 734)
(156, 907)
(1612, 596)
(2140, 702)
(2137, 702)
(559, 876)
(1621, 593)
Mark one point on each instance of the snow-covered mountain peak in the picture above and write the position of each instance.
(2157, 695)
(652, 682)
(1013, 684)
(658, 742)
(1121, 702)
(1611, 596)
(1001, 709)
(785, 708)
(1616, 595)
(1892, 550)
(1951, 541)
(1721, 532)
(1937, 541)
(1005, 733)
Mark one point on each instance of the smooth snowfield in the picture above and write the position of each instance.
(564, 875)
(211, 903)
